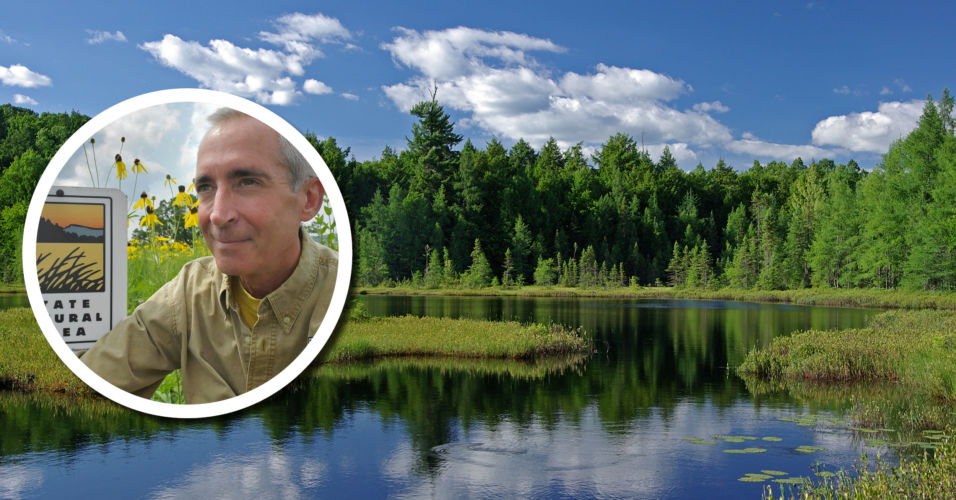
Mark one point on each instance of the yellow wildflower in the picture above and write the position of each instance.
(162, 238)
(169, 180)
(138, 167)
(183, 199)
(120, 168)
(150, 218)
(192, 186)
(192, 217)
(143, 202)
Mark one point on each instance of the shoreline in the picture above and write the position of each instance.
(872, 298)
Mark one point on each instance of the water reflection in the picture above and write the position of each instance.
(8, 300)
(610, 425)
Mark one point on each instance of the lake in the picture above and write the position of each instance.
(620, 423)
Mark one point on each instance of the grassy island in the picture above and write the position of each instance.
(27, 364)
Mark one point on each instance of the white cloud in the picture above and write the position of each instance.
(7, 38)
(224, 66)
(18, 75)
(313, 86)
(711, 107)
(97, 36)
(869, 131)
(885, 91)
(752, 145)
(264, 74)
(902, 85)
(844, 90)
(23, 99)
(350, 96)
(296, 31)
(506, 92)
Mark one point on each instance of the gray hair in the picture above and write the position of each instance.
(289, 156)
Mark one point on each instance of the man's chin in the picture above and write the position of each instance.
(233, 265)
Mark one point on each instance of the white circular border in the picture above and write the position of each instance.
(298, 365)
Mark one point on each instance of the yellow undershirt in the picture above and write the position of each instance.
(248, 305)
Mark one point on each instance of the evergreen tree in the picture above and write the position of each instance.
(545, 274)
(479, 272)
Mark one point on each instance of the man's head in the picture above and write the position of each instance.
(254, 190)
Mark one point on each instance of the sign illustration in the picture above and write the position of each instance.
(81, 262)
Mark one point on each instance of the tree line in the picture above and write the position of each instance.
(442, 213)
(433, 215)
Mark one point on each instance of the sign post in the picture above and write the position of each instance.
(81, 262)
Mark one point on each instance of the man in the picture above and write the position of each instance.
(234, 320)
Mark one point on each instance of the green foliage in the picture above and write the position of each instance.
(479, 272)
(772, 226)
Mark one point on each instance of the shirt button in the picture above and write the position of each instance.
(286, 320)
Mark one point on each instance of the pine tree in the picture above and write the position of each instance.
(479, 272)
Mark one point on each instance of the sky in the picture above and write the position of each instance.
(760, 80)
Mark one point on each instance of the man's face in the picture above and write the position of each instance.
(248, 212)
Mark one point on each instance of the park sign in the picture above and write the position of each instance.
(81, 261)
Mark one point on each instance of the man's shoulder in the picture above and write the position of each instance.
(322, 254)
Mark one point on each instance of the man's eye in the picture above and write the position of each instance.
(248, 181)
(202, 188)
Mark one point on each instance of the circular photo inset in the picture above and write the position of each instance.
(187, 253)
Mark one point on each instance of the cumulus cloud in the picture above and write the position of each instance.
(885, 91)
(752, 145)
(506, 92)
(711, 107)
(297, 31)
(97, 36)
(844, 90)
(350, 96)
(18, 75)
(23, 99)
(869, 131)
(264, 74)
(313, 86)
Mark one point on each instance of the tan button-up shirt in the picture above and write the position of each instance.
(193, 323)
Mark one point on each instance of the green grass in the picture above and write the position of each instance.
(913, 353)
(831, 297)
(27, 362)
(924, 476)
(467, 338)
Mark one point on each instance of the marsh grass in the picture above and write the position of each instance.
(27, 363)
(927, 475)
(830, 297)
(910, 354)
(427, 336)
(519, 369)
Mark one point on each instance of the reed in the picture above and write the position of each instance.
(467, 338)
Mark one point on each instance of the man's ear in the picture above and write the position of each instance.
(313, 192)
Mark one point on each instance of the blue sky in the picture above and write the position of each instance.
(754, 80)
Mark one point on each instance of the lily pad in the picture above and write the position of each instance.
(774, 472)
(752, 477)
(809, 449)
(745, 450)
(772, 438)
(825, 474)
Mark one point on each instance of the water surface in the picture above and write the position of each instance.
(612, 425)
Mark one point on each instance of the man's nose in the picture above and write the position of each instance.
(223, 210)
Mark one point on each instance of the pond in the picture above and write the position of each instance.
(8, 300)
(657, 412)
